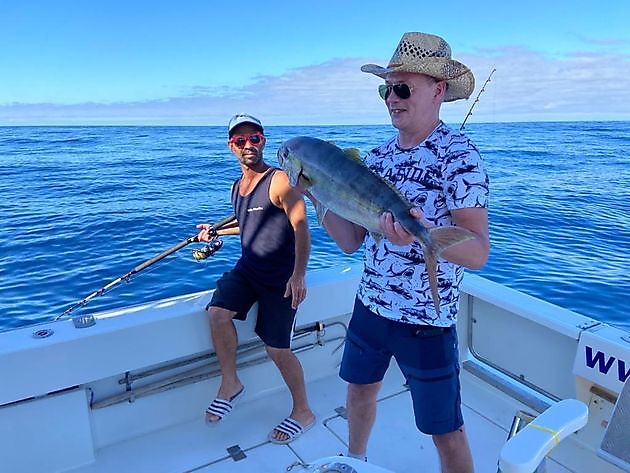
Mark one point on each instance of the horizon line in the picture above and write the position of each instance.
(300, 125)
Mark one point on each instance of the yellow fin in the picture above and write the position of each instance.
(353, 153)
(377, 237)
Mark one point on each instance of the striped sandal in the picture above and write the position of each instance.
(292, 428)
(222, 407)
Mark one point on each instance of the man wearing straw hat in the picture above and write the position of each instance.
(441, 172)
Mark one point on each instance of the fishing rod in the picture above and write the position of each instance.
(211, 248)
(476, 99)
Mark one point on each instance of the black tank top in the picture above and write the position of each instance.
(267, 237)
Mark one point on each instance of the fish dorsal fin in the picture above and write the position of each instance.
(353, 153)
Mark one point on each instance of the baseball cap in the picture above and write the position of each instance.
(241, 118)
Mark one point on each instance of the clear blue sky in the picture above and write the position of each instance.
(197, 62)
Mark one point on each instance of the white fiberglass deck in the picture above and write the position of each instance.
(395, 443)
(129, 393)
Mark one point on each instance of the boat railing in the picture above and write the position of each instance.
(532, 343)
(249, 354)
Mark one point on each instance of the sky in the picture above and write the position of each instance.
(193, 62)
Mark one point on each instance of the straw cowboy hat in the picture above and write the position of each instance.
(428, 54)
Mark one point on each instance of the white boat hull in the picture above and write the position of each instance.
(128, 393)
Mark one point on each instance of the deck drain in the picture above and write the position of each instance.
(43, 333)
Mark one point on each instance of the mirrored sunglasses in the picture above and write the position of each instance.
(241, 140)
(403, 91)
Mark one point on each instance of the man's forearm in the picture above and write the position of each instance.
(348, 236)
(302, 248)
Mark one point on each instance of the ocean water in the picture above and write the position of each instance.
(81, 206)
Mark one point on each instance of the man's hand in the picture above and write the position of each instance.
(296, 288)
(207, 233)
(396, 233)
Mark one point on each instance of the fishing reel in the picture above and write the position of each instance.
(336, 467)
(207, 251)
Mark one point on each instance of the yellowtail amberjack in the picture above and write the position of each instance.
(341, 182)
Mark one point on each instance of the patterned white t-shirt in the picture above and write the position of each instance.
(442, 173)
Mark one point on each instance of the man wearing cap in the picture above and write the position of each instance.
(275, 243)
(440, 171)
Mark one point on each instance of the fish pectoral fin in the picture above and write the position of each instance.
(294, 176)
(445, 237)
(304, 181)
(320, 210)
(353, 153)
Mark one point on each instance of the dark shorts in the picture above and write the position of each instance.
(427, 357)
(238, 293)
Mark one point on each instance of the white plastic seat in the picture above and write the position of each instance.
(525, 451)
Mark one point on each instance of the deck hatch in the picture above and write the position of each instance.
(236, 453)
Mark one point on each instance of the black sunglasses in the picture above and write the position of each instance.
(241, 140)
(403, 91)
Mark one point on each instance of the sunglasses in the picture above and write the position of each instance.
(241, 140)
(403, 91)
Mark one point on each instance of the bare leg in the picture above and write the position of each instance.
(225, 342)
(293, 375)
(361, 405)
(454, 452)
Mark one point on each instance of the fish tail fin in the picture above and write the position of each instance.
(430, 260)
(441, 238)
(444, 237)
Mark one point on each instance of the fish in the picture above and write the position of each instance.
(341, 182)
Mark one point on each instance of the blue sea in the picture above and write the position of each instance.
(81, 206)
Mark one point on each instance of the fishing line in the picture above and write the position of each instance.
(212, 247)
(483, 87)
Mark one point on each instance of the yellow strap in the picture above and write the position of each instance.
(545, 429)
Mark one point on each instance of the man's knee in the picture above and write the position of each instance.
(363, 393)
(452, 441)
(278, 354)
(219, 315)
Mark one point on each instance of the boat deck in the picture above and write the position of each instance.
(128, 394)
(395, 443)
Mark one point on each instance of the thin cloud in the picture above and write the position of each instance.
(604, 41)
(527, 86)
(530, 86)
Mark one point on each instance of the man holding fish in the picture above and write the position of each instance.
(419, 205)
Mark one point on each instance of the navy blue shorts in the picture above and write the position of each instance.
(237, 292)
(427, 357)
